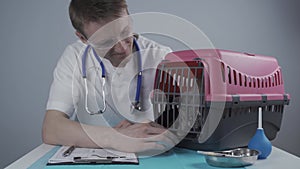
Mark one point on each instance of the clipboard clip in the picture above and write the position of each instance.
(92, 160)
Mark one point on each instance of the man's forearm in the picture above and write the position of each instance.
(127, 137)
(59, 130)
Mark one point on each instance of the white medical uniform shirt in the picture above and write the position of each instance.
(67, 92)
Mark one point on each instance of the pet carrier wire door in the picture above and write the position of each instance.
(210, 97)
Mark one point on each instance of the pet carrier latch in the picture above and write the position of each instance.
(264, 98)
(286, 99)
(235, 99)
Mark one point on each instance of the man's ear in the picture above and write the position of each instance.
(81, 37)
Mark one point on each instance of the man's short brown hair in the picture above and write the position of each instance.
(84, 11)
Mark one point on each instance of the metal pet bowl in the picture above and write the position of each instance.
(231, 158)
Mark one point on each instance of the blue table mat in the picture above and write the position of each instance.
(177, 158)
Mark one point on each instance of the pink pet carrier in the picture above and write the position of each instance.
(210, 97)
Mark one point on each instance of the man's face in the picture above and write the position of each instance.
(111, 39)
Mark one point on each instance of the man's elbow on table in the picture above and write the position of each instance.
(51, 126)
(46, 136)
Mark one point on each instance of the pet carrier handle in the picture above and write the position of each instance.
(249, 54)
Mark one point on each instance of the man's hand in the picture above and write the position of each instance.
(143, 137)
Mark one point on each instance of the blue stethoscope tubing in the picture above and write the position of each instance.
(136, 103)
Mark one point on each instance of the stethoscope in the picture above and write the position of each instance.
(134, 105)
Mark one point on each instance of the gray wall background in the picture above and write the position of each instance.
(34, 33)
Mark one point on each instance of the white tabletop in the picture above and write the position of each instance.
(278, 159)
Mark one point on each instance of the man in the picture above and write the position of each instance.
(94, 22)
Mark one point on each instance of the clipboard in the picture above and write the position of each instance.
(64, 156)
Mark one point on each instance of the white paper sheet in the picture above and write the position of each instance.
(92, 155)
